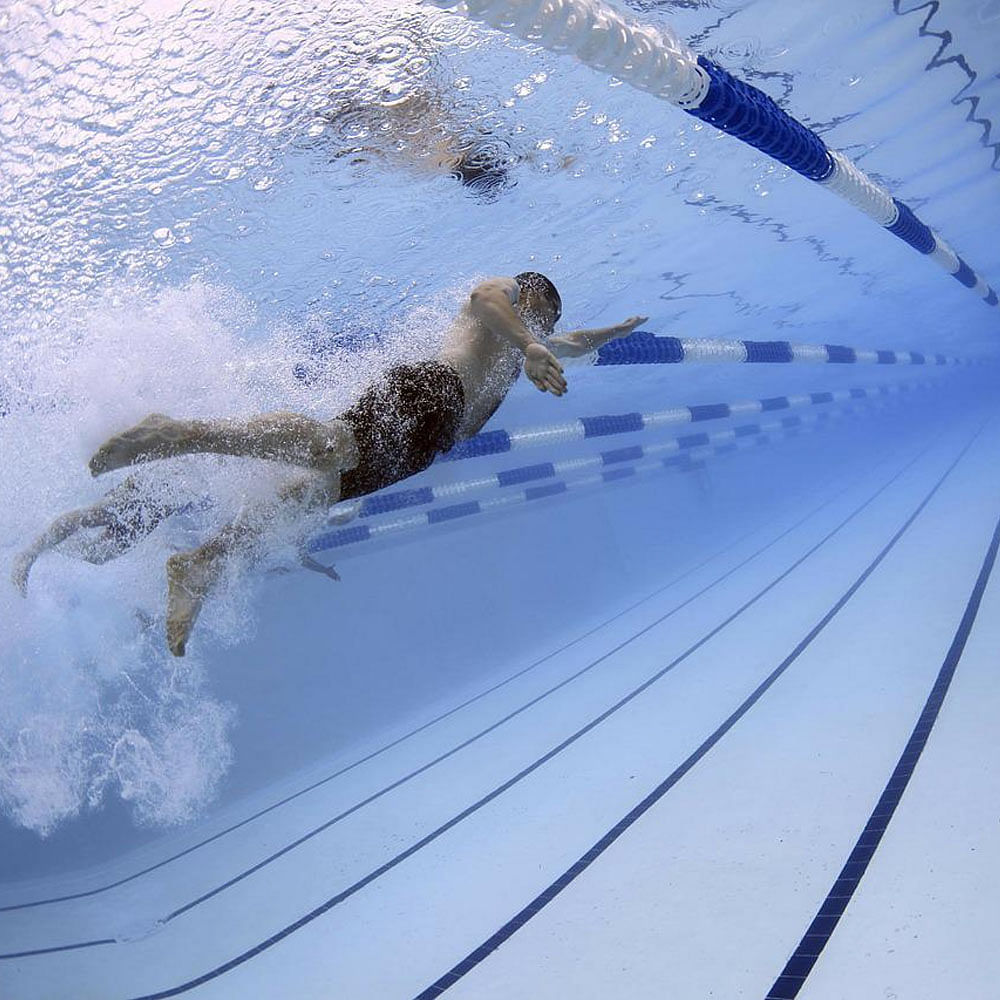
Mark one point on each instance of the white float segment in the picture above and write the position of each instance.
(653, 60)
(816, 353)
(678, 415)
(945, 256)
(856, 187)
(532, 437)
(714, 350)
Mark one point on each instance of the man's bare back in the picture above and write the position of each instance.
(397, 428)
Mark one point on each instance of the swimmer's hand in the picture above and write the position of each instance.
(20, 571)
(545, 372)
(624, 329)
(317, 567)
(581, 342)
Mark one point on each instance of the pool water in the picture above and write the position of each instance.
(617, 739)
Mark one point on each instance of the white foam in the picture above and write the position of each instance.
(91, 703)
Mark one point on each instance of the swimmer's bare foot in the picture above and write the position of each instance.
(150, 438)
(189, 577)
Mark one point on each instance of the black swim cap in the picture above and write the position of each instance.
(532, 281)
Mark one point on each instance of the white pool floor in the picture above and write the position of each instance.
(757, 709)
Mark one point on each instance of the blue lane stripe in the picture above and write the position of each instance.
(709, 411)
(751, 115)
(526, 473)
(622, 455)
(488, 443)
(911, 230)
(611, 475)
(548, 490)
(641, 348)
(547, 895)
(840, 355)
(342, 536)
(382, 503)
(454, 511)
(768, 351)
(775, 403)
(794, 975)
(612, 423)
(692, 440)
(399, 858)
(965, 274)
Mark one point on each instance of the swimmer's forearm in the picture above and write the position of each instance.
(492, 308)
(578, 342)
(572, 345)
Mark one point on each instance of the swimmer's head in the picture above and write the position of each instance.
(483, 169)
(539, 304)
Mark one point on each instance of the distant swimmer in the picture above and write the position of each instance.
(412, 413)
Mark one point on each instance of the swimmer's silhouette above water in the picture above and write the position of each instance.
(400, 424)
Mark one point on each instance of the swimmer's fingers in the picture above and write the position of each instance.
(19, 573)
(545, 372)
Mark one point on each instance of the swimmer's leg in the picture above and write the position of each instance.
(279, 437)
(191, 575)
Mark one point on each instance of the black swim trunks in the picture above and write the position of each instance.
(401, 423)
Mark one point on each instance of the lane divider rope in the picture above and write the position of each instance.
(655, 60)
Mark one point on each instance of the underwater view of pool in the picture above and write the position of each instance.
(677, 683)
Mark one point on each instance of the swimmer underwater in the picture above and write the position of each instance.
(412, 413)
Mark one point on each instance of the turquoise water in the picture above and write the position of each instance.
(197, 198)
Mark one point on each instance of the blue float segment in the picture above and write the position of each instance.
(821, 397)
(692, 440)
(548, 490)
(940, 359)
(385, 502)
(965, 274)
(749, 114)
(991, 298)
(709, 411)
(916, 358)
(747, 430)
(622, 455)
(768, 351)
(456, 510)
(610, 475)
(911, 230)
(791, 421)
(840, 355)
(886, 357)
(343, 536)
(641, 348)
(490, 443)
(775, 403)
(525, 474)
(614, 423)
(859, 394)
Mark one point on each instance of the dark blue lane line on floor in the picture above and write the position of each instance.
(389, 746)
(796, 971)
(432, 763)
(500, 789)
(581, 864)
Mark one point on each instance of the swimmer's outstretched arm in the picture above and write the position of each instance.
(58, 531)
(580, 342)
